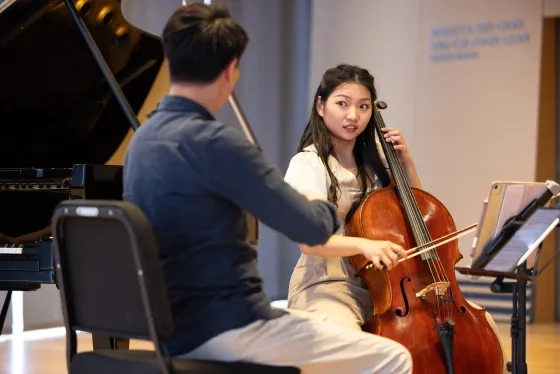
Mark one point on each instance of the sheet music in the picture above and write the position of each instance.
(525, 241)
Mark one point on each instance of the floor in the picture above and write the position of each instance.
(48, 356)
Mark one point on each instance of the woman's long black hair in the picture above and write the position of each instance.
(366, 154)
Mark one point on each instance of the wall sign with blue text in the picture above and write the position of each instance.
(466, 42)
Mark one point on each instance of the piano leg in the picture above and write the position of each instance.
(108, 342)
(4, 312)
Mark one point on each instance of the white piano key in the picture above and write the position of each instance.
(11, 249)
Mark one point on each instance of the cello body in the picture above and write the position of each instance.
(418, 303)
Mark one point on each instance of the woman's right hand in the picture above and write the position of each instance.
(382, 252)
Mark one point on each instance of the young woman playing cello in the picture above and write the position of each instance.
(339, 160)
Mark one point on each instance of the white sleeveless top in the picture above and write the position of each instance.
(333, 275)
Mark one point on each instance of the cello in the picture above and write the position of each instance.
(418, 303)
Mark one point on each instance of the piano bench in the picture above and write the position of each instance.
(145, 362)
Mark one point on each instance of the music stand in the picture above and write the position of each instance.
(508, 260)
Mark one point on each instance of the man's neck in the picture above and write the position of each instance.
(206, 95)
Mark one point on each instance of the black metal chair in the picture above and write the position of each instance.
(111, 284)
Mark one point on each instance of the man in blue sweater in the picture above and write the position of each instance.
(194, 177)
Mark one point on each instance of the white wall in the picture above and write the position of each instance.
(149, 15)
(468, 121)
(476, 119)
(551, 8)
(379, 35)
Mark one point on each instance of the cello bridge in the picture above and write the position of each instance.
(439, 288)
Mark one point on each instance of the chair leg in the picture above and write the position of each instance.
(109, 342)
(4, 312)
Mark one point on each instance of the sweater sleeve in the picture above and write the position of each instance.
(240, 172)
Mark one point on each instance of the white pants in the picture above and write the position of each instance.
(342, 315)
(310, 342)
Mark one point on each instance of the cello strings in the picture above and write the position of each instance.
(432, 265)
(433, 261)
(407, 199)
(407, 196)
(399, 175)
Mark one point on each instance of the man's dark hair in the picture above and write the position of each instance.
(200, 40)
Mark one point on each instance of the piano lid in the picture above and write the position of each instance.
(56, 108)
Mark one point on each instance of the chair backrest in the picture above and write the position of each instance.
(108, 270)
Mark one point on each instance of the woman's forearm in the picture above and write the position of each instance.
(336, 246)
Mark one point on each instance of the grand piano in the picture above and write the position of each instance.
(73, 76)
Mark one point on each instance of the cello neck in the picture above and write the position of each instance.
(404, 190)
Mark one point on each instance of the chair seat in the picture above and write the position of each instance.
(145, 362)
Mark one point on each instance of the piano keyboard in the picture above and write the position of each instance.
(11, 249)
(25, 267)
